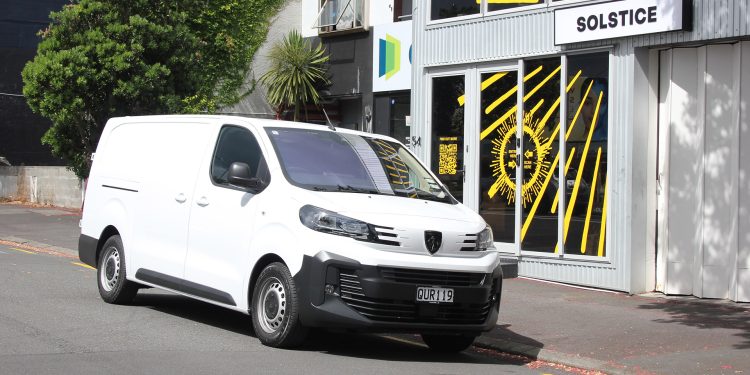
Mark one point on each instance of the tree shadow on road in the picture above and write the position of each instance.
(401, 347)
(707, 315)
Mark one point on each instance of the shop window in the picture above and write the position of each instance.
(402, 10)
(586, 180)
(495, 5)
(497, 153)
(441, 9)
(336, 15)
(448, 132)
(541, 154)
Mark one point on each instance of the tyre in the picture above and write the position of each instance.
(113, 287)
(448, 343)
(275, 308)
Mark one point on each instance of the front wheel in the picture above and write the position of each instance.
(113, 287)
(448, 343)
(276, 308)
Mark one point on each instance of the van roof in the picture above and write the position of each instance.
(262, 122)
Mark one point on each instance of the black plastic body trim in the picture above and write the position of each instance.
(510, 267)
(181, 285)
(318, 309)
(120, 188)
(87, 249)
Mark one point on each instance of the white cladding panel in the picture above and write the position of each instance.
(508, 37)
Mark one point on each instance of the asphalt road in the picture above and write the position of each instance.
(52, 321)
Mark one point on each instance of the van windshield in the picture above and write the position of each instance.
(332, 161)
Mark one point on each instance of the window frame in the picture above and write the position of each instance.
(261, 160)
(328, 29)
(485, 12)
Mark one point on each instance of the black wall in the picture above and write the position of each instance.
(20, 129)
(350, 70)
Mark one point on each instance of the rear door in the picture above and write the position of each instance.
(223, 217)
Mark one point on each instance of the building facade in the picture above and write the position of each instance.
(21, 130)
(605, 142)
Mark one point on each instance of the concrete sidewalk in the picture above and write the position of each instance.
(609, 332)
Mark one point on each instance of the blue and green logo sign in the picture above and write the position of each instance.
(390, 56)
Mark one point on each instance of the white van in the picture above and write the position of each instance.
(297, 225)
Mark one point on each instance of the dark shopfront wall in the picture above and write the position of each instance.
(350, 69)
(20, 129)
(391, 110)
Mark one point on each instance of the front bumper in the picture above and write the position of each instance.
(382, 299)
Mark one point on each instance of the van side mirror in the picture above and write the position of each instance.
(239, 175)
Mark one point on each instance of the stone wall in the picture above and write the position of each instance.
(56, 186)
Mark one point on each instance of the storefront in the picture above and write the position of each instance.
(391, 79)
(600, 140)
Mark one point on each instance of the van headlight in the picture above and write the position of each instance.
(485, 240)
(326, 221)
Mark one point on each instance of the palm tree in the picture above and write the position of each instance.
(297, 69)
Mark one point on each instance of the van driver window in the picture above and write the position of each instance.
(237, 145)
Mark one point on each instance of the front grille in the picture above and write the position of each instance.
(427, 277)
(469, 243)
(390, 310)
(385, 236)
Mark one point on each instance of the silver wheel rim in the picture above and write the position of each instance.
(110, 269)
(271, 306)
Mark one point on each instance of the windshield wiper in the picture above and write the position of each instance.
(352, 189)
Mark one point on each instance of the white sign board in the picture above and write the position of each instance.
(619, 19)
(391, 57)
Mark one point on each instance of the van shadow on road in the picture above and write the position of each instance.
(357, 345)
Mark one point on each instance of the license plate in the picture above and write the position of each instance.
(434, 295)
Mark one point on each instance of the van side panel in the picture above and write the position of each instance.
(170, 154)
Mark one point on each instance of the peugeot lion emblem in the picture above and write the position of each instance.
(433, 240)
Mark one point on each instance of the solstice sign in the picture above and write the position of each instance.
(621, 18)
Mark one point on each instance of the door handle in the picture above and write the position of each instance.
(203, 202)
(180, 198)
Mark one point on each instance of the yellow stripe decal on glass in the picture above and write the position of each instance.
(538, 199)
(591, 202)
(578, 112)
(489, 81)
(565, 173)
(574, 195)
(510, 92)
(603, 228)
(541, 84)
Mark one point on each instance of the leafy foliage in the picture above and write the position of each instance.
(297, 70)
(107, 58)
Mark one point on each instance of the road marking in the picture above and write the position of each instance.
(3, 252)
(36, 250)
(404, 341)
(23, 251)
(83, 265)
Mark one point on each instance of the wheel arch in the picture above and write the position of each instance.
(261, 264)
(108, 232)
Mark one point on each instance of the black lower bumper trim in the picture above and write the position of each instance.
(87, 250)
(361, 299)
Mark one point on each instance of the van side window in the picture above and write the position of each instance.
(237, 144)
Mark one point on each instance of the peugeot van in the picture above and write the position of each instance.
(297, 225)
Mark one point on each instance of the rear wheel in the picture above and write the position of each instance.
(448, 343)
(113, 287)
(276, 308)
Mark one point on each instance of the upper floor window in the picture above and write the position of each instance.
(441, 9)
(493, 5)
(337, 15)
(402, 10)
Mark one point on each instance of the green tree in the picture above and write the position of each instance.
(297, 71)
(106, 58)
